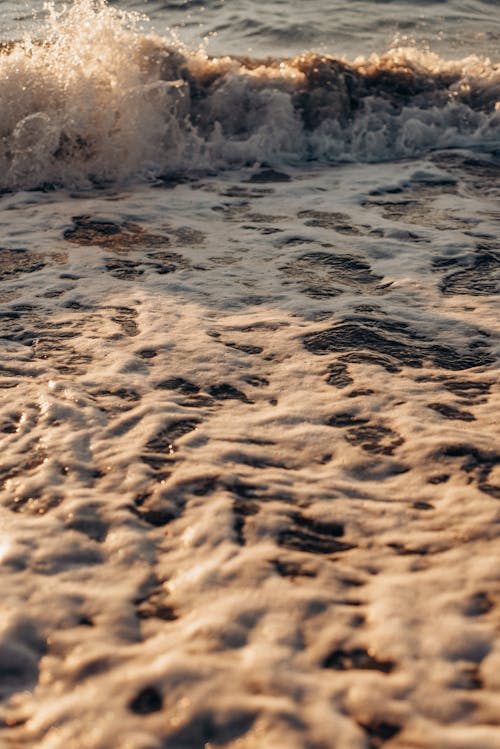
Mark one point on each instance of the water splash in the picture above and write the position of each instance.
(98, 101)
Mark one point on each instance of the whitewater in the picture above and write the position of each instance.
(98, 102)
(249, 346)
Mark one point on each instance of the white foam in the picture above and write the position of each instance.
(83, 363)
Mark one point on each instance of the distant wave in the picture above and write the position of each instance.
(97, 101)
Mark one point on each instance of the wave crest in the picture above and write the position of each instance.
(97, 101)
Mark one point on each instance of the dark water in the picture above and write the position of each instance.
(338, 27)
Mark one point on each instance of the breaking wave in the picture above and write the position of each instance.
(97, 101)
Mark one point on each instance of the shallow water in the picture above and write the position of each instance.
(249, 348)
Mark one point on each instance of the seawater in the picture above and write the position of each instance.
(348, 29)
(96, 99)
(249, 346)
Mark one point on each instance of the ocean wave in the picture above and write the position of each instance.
(97, 101)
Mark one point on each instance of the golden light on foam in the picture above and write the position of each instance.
(4, 548)
(188, 535)
(44, 405)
